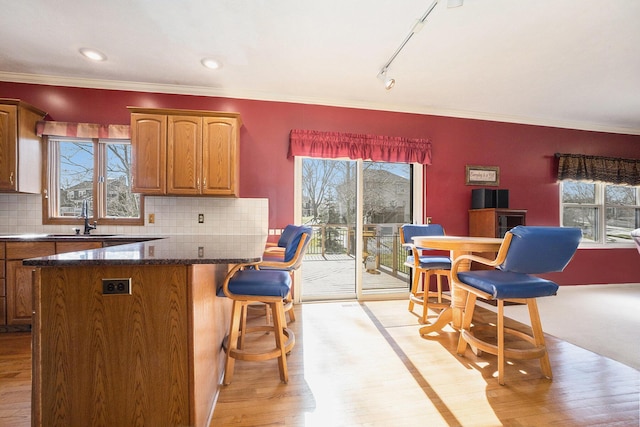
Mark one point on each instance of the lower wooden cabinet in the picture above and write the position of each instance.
(17, 290)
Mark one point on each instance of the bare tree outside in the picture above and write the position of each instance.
(76, 176)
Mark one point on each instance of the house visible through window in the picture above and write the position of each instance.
(606, 213)
(95, 170)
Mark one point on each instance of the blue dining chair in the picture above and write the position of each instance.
(525, 252)
(424, 266)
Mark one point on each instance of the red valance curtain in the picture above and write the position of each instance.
(354, 146)
(83, 130)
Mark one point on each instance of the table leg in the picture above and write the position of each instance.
(452, 314)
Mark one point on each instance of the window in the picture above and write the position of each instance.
(606, 213)
(96, 170)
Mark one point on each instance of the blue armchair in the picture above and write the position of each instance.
(425, 265)
(525, 252)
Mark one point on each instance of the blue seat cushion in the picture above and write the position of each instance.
(432, 262)
(507, 284)
(272, 283)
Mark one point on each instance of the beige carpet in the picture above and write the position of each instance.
(604, 319)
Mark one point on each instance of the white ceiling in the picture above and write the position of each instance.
(565, 63)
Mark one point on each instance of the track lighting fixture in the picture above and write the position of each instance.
(382, 74)
(387, 81)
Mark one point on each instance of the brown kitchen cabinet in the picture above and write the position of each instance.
(16, 287)
(20, 147)
(185, 152)
(19, 281)
(3, 287)
(492, 222)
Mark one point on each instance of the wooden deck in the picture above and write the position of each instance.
(335, 275)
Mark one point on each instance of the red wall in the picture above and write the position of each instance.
(525, 155)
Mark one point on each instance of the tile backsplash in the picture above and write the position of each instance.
(22, 213)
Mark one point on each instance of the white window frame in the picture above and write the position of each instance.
(601, 208)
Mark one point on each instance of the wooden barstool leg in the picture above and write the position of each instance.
(538, 336)
(426, 281)
(500, 342)
(414, 288)
(279, 323)
(232, 344)
(243, 325)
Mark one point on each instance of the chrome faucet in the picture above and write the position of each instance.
(85, 214)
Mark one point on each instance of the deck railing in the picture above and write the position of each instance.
(382, 248)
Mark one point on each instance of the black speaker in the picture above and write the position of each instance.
(483, 198)
(502, 199)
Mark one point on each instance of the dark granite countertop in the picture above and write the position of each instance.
(111, 238)
(175, 249)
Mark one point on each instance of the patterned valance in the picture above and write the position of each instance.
(83, 130)
(611, 170)
(334, 145)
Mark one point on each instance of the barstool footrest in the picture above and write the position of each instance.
(536, 352)
(244, 354)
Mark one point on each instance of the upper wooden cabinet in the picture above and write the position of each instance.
(20, 147)
(149, 153)
(185, 152)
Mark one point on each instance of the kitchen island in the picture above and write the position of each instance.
(132, 335)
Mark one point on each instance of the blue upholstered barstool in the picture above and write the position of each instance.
(295, 240)
(245, 285)
(525, 252)
(427, 265)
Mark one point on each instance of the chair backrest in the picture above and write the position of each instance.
(288, 233)
(535, 250)
(409, 231)
(293, 252)
(294, 247)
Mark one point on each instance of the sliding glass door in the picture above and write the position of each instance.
(355, 208)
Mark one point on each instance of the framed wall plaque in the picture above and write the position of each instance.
(483, 175)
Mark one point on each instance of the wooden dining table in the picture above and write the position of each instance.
(457, 245)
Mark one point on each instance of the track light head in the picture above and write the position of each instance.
(387, 81)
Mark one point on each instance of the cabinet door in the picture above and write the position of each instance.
(219, 154)
(149, 153)
(184, 155)
(8, 144)
(19, 293)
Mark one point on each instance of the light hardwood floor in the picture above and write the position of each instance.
(365, 365)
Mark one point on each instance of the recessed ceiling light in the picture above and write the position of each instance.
(93, 54)
(211, 63)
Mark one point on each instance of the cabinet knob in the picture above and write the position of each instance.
(11, 178)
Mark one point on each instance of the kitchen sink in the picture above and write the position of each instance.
(81, 236)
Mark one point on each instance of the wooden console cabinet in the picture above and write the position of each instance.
(492, 222)
(20, 147)
(185, 152)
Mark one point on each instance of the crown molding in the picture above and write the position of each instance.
(273, 97)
